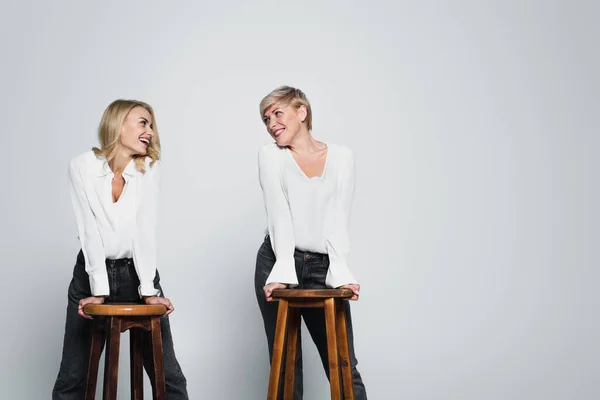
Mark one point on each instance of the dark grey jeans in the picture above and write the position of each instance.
(311, 269)
(124, 282)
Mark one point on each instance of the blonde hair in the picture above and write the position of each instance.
(287, 95)
(109, 132)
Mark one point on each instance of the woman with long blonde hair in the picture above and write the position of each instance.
(114, 190)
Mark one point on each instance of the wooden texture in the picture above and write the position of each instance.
(278, 344)
(97, 341)
(111, 361)
(288, 319)
(136, 364)
(344, 353)
(332, 353)
(311, 294)
(132, 323)
(306, 303)
(160, 388)
(136, 324)
(125, 309)
(293, 331)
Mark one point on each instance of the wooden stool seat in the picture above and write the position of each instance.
(118, 318)
(286, 338)
(309, 294)
(125, 309)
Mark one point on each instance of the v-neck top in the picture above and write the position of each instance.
(310, 214)
(113, 230)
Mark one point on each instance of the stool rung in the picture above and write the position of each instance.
(312, 293)
(306, 303)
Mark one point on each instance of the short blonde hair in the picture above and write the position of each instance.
(109, 132)
(288, 96)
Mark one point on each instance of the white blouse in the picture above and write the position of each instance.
(124, 229)
(310, 214)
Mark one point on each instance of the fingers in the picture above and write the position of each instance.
(170, 308)
(163, 301)
(355, 288)
(84, 315)
(268, 291)
(160, 300)
(82, 304)
(354, 294)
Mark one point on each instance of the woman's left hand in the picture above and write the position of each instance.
(160, 300)
(355, 287)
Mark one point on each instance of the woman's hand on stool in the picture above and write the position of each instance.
(160, 300)
(355, 287)
(272, 286)
(86, 301)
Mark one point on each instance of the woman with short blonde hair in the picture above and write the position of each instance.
(308, 188)
(114, 191)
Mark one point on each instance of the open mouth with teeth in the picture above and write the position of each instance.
(145, 141)
(278, 132)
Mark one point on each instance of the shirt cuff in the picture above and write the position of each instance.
(284, 272)
(148, 289)
(99, 285)
(339, 275)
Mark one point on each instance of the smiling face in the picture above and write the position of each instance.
(136, 132)
(284, 122)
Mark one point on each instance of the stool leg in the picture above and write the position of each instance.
(95, 352)
(290, 357)
(157, 355)
(342, 338)
(277, 356)
(111, 361)
(332, 353)
(136, 364)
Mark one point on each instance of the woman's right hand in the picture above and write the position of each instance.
(272, 286)
(86, 301)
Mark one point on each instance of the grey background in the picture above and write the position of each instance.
(474, 125)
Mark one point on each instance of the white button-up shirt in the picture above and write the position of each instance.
(310, 214)
(113, 230)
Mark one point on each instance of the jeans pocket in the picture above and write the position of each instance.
(266, 251)
(79, 271)
(78, 290)
(264, 266)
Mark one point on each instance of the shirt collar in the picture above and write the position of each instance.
(103, 168)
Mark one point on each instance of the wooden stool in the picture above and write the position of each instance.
(119, 318)
(288, 318)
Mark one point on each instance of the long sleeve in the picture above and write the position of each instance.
(89, 235)
(281, 230)
(337, 241)
(144, 239)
